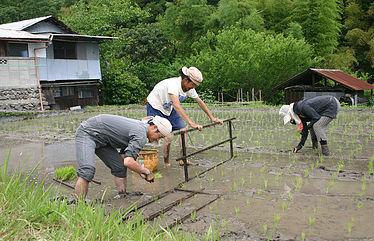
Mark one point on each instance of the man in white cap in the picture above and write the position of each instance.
(319, 112)
(164, 100)
(103, 134)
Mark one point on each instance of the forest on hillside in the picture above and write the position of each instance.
(235, 43)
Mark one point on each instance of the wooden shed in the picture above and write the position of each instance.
(314, 82)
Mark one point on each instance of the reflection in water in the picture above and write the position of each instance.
(24, 156)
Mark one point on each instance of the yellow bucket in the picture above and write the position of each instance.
(150, 157)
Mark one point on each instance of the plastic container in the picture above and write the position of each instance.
(150, 158)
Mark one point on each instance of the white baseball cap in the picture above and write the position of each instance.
(194, 74)
(163, 126)
(288, 114)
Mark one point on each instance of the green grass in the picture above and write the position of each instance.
(28, 213)
(16, 113)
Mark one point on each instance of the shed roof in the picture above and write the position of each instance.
(336, 75)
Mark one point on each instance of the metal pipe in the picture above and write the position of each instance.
(208, 125)
(205, 149)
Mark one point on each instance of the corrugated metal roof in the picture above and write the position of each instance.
(15, 31)
(344, 79)
(7, 34)
(21, 25)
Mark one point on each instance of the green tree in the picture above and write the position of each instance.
(240, 13)
(114, 18)
(251, 60)
(184, 22)
(276, 14)
(359, 35)
(319, 20)
(12, 11)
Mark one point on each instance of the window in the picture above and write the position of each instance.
(65, 50)
(67, 91)
(85, 93)
(18, 50)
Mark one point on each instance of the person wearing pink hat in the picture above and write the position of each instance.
(165, 98)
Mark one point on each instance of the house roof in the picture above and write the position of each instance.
(17, 31)
(346, 80)
(6, 34)
(21, 25)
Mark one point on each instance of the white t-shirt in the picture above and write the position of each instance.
(159, 97)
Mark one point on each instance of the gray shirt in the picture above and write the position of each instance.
(118, 132)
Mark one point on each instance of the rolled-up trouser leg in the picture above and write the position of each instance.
(85, 154)
(320, 128)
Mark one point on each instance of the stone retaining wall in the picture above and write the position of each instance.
(20, 99)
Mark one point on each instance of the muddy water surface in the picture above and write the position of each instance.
(265, 192)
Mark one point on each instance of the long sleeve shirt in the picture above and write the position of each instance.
(311, 110)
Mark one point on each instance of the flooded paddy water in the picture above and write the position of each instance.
(264, 192)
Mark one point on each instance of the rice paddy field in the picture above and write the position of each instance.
(265, 192)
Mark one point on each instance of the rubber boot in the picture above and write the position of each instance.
(324, 148)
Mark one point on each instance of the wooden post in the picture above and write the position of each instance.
(184, 153)
(253, 94)
(247, 96)
(231, 142)
(222, 97)
(260, 94)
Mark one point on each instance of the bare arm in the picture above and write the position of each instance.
(179, 109)
(204, 107)
(135, 166)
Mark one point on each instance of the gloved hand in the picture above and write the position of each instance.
(297, 148)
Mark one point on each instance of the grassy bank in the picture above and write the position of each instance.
(27, 213)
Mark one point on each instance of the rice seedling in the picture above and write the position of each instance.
(276, 219)
(237, 211)
(193, 216)
(65, 173)
(284, 206)
(350, 225)
(371, 167)
(298, 183)
(303, 236)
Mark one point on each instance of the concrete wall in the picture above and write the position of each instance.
(17, 73)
